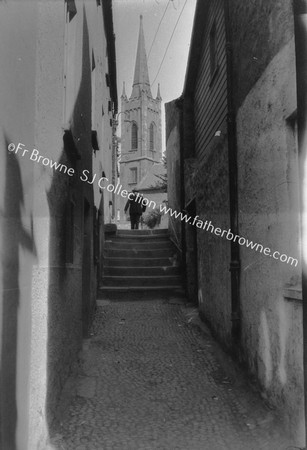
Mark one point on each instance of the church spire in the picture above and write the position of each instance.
(141, 77)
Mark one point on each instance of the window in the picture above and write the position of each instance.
(213, 50)
(134, 136)
(152, 137)
(133, 175)
(70, 146)
(93, 60)
(95, 145)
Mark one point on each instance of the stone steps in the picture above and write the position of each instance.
(140, 260)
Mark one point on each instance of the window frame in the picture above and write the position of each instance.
(133, 179)
(134, 136)
(152, 136)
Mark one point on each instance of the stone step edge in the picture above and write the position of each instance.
(142, 231)
(142, 236)
(140, 288)
(137, 256)
(133, 257)
(129, 277)
(141, 241)
(108, 262)
(134, 251)
(139, 238)
(138, 267)
(150, 237)
(134, 245)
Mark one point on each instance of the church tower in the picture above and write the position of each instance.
(141, 134)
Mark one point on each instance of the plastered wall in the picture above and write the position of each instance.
(269, 214)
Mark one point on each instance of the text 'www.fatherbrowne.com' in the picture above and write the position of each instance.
(208, 226)
(35, 156)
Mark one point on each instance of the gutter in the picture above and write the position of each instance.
(300, 33)
(107, 13)
(233, 188)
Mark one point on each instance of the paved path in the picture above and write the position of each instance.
(150, 378)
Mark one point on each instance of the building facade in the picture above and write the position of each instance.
(238, 160)
(58, 97)
(141, 133)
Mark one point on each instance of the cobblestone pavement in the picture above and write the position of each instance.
(150, 378)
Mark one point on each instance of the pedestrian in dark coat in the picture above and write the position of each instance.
(136, 208)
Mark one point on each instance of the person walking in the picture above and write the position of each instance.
(136, 208)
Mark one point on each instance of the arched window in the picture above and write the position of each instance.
(134, 136)
(152, 137)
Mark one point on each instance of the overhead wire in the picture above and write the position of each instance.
(153, 41)
(169, 42)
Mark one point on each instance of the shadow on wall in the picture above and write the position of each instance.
(67, 245)
(13, 236)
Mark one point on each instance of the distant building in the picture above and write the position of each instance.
(58, 100)
(141, 134)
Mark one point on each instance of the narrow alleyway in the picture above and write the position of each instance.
(152, 377)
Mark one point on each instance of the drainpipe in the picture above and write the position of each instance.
(180, 106)
(300, 32)
(233, 189)
(114, 165)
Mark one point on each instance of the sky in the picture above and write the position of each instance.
(126, 16)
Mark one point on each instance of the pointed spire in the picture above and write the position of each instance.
(158, 93)
(124, 91)
(141, 77)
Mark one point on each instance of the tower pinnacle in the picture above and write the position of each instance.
(124, 91)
